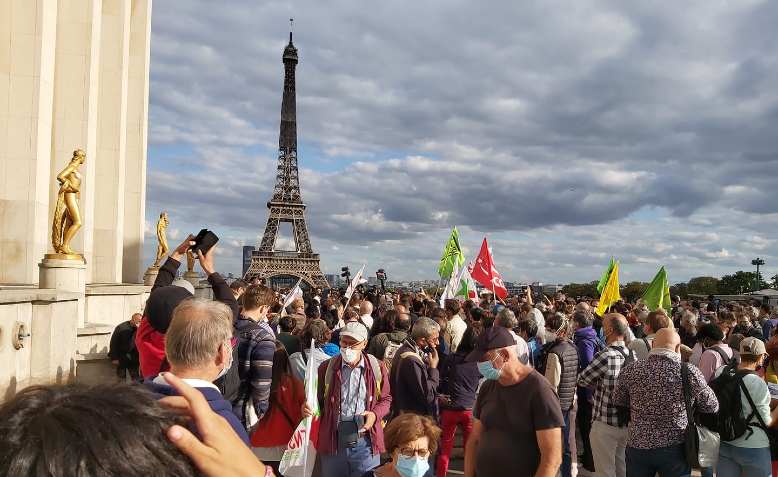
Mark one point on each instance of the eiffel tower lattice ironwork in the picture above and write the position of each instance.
(286, 204)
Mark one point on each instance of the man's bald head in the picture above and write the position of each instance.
(582, 306)
(365, 308)
(667, 339)
(615, 327)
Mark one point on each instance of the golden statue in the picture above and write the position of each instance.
(67, 217)
(190, 261)
(162, 246)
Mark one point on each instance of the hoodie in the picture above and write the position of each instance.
(587, 343)
(216, 401)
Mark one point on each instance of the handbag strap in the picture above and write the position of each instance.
(686, 391)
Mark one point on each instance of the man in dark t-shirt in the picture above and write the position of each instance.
(517, 421)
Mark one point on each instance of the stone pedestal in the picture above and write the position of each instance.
(193, 278)
(150, 276)
(65, 275)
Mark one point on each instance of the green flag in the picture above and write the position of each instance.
(451, 254)
(605, 275)
(657, 295)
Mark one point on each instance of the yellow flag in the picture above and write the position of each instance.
(610, 294)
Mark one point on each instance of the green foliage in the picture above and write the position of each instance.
(633, 290)
(741, 282)
(680, 289)
(581, 289)
(703, 285)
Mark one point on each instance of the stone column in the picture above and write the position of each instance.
(68, 276)
(76, 82)
(106, 265)
(137, 133)
(28, 30)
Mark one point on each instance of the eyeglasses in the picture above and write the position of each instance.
(408, 452)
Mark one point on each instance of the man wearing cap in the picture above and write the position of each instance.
(716, 353)
(749, 454)
(354, 396)
(517, 425)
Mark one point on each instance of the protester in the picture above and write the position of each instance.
(716, 353)
(366, 313)
(349, 315)
(197, 346)
(528, 330)
(459, 381)
(238, 287)
(652, 390)
(415, 377)
(287, 395)
(456, 325)
(767, 321)
(561, 371)
(749, 454)
(654, 321)
(394, 330)
(64, 430)
(588, 344)
(317, 331)
(354, 396)
(297, 311)
(165, 295)
(608, 436)
(122, 350)
(507, 320)
(256, 348)
(291, 341)
(504, 441)
(410, 441)
(688, 329)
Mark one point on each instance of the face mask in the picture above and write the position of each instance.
(349, 355)
(411, 466)
(487, 370)
(226, 367)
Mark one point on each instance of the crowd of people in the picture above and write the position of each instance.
(217, 386)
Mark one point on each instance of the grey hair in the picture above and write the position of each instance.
(424, 328)
(688, 318)
(506, 318)
(197, 329)
(620, 326)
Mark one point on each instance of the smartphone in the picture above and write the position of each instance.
(204, 241)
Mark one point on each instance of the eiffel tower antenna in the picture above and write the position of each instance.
(286, 204)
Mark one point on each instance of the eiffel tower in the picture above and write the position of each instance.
(286, 204)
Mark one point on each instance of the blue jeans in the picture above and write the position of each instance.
(351, 461)
(567, 458)
(665, 461)
(743, 461)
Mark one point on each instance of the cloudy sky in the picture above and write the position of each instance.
(565, 132)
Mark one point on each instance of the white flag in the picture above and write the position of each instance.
(300, 455)
(452, 285)
(357, 280)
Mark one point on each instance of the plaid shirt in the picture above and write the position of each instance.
(602, 374)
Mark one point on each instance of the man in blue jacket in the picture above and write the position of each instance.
(198, 347)
(588, 343)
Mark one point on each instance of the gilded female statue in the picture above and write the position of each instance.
(67, 218)
(162, 247)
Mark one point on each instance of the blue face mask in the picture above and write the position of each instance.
(487, 370)
(412, 466)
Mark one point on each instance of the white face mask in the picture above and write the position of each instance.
(228, 364)
(349, 355)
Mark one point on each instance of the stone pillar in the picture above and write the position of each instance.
(136, 137)
(68, 276)
(28, 30)
(76, 82)
(106, 265)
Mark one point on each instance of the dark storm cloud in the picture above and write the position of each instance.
(513, 117)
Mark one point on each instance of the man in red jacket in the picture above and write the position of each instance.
(354, 396)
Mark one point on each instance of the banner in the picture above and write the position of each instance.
(452, 256)
(355, 281)
(610, 294)
(452, 285)
(295, 293)
(300, 453)
(605, 275)
(657, 295)
(483, 271)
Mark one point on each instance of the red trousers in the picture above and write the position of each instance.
(449, 421)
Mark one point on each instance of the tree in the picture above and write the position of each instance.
(739, 282)
(581, 289)
(633, 290)
(680, 289)
(703, 286)
(774, 279)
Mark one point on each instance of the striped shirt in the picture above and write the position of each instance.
(256, 347)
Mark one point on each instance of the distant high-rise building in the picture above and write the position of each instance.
(247, 250)
(332, 279)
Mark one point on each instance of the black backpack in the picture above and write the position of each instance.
(729, 422)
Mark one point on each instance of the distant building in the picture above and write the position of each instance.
(247, 249)
(332, 279)
(372, 281)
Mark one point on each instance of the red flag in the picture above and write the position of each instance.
(483, 271)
